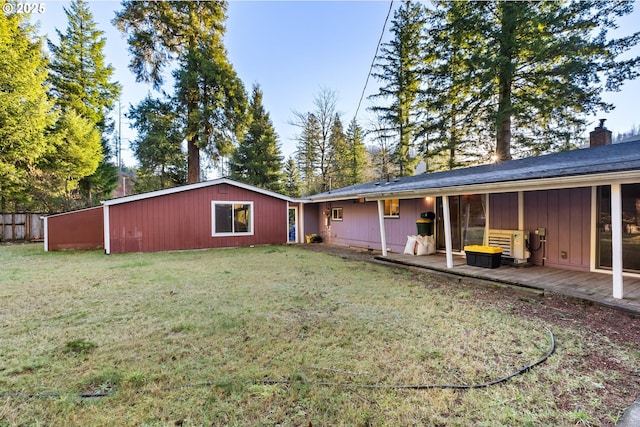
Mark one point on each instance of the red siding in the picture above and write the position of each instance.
(81, 230)
(182, 221)
(566, 215)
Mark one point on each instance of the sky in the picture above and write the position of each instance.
(294, 50)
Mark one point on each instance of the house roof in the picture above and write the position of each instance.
(616, 163)
(195, 186)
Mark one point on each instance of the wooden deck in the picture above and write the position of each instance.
(595, 287)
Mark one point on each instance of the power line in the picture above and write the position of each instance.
(374, 59)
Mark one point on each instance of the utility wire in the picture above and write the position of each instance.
(267, 381)
(373, 61)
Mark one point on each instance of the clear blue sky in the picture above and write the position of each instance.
(293, 49)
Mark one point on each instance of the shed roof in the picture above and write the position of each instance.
(583, 167)
(195, 186)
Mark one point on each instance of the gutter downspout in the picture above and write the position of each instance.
(447, 230)
(383, 234)
(616, 240)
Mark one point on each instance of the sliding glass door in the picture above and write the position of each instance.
(630, 227)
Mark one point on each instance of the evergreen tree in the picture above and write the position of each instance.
(158, 146)
(189, 36)
(307, 152)
(400, 65)
(25, 112)
(81, 81)
(535, 69)
(315, 152)
(75, 154)
(353, 159)
(292, 179)
(258, 160)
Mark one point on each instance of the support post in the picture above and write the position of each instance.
(383, 233)
(616, 240)
(107, 240)
(447, 230)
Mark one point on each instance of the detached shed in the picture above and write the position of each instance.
(211, 214)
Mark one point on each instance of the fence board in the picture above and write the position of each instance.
(16, 227)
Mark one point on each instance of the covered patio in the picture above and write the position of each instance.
(590, 286)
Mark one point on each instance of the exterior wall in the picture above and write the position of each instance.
(503, 211)
(312, 219)
(566, 215)
(79, 230)
(360, 226)
(182, 221)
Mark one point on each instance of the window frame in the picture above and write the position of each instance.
(388, 203)
(334, 214)
(233, 204)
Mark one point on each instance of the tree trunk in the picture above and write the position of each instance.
(506, 69)
(193, 160)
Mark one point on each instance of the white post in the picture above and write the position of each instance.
(46, 233)
(383, 234)
(520, 210)
(447, 230)
(616, 240)
(300, 233)
(107, 241)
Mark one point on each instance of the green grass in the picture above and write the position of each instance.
(185, 338)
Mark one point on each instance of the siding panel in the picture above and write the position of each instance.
(79, 230)
(181, 221)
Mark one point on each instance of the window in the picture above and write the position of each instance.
(392, 208)
(231, 218)
(336, 214)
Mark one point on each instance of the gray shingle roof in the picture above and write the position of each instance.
(613, 158)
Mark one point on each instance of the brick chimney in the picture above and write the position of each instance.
(600, 135)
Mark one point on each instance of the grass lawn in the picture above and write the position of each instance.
(186, 338)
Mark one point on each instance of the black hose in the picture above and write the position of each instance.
(520, 371)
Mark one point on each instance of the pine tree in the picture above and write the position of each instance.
(315, 152)
(25, 112)
(81, 81)
(158, 145)
(292, 179)
(400, 65)
(189, 36)
(353, 159)
(258, 160)
(535, 70)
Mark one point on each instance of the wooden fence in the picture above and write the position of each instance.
(21, 227)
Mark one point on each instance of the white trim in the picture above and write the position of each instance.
(233, 233)
(383, 233)
(586, 180)
(487, 218)
(301, 233)
(446, 214)
(71, 212)
(334, 210)
(593, 236)
(295, 223)
(616, 240)
(107, 239)
(45, 221)
(520, 210)
(195, 186)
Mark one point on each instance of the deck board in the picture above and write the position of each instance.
(592, 286)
